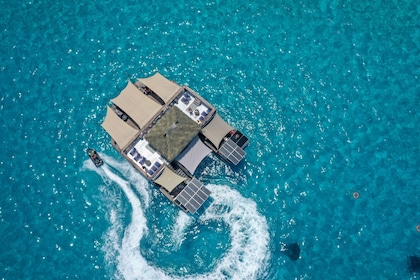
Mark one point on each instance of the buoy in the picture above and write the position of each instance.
(356, 195)
(418, 228)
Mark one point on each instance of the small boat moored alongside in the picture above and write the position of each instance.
(96, 159)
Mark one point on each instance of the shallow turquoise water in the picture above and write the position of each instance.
(327, 91)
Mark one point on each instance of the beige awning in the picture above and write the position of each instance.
(169, 180)
(137, 105)
(216, 130)
(119, 130)
(163, 87)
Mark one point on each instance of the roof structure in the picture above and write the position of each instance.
(216, 130)
(172, 133)
(137, 105)
(192, 156)
(169, 180)
(163, 87)
(120, 131)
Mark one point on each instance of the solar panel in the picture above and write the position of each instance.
(232, 151)
(193, 196)
(206, 191)
(182, 199)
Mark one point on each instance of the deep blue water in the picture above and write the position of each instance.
(327, 91)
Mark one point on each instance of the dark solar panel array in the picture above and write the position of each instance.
(232, 151)
(193, 195)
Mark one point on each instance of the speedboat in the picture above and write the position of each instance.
(96, 159)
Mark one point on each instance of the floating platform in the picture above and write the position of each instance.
(165, 130)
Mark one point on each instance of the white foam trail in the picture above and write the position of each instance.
(110, 247)
(126, 251)
(135, 178)
(249, 251)
(183, 221)
(246, 258)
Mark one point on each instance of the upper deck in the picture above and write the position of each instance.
(146, 159)
(194, 107)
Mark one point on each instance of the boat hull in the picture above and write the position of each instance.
(94, 157)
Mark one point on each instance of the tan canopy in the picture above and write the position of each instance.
(216, 130)
(119, 130)
(169, 180)
(163, 87)
(137, 105)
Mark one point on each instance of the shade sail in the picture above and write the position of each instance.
(216, 130)
(119, 130)
(169, 179)
(137, 105)
(163, 87)
(192, 156)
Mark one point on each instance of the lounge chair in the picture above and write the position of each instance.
(184, 100)
(133, 152)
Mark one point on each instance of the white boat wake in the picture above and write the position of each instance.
(246, 257)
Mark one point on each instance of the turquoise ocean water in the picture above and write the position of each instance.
(327, 91)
